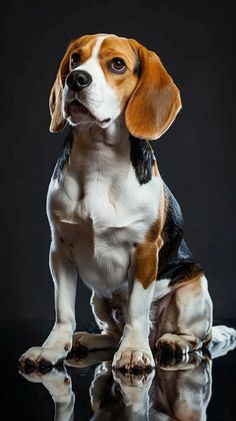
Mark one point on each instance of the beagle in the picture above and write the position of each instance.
(113, 220)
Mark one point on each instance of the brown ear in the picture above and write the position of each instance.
(55, 105)
(55, 100)
(155, 101)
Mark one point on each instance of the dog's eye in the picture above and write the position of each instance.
(117, 65)
(75, 59)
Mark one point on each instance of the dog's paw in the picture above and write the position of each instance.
(83, 341)
(42, 357)
(128, 359)
(172, 349)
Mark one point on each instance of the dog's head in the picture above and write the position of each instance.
(102, 76)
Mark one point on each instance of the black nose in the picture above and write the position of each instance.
(78, 79)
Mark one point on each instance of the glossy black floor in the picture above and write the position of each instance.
(199, 386)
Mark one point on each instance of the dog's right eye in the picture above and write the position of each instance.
(75, 59)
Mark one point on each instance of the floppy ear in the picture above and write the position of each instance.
(155, 101)
(55, 100)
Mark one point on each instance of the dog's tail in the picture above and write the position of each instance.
(223, 333)
(223, 340)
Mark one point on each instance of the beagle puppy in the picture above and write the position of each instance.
(113, 220)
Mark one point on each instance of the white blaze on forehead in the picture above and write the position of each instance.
(98, 44)
(101, 98)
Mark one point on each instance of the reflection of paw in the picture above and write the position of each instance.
(129, 359)
(170, 361)
(41, 357)
(58, 383)
(82, 360)
(132, 379)
(134, 389)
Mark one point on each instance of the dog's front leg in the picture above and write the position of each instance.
(134, 350)
(59, 342)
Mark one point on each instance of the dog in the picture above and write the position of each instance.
(113, 220)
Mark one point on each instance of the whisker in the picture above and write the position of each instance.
(68, 33)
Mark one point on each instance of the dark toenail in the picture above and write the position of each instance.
(122, 369)
(29, 366)
(136, 370)
(45, 363)
(67, 347)
(166, 354)
(45, 366)
(168, 350)
(178, 355)
(80, 350)
(30, 363)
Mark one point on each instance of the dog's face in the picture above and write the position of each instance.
(102, 76)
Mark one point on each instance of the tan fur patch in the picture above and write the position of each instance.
(146, 255)
(84, 46)
(192, 279)
(123, 83)
(155, 169)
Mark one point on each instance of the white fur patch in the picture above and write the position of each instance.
(95, 210)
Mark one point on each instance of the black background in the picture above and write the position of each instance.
(196, 156)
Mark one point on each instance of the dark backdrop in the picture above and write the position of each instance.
(196, 156)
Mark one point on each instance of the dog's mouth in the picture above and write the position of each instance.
(75, 107)
(75, 110)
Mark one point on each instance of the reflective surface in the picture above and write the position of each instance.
(86, 388)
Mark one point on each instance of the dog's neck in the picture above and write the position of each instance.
(93, 136)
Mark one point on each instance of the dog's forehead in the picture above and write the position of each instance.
(103, 45)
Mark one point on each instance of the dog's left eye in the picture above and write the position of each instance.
(75, 59)
(117, 65)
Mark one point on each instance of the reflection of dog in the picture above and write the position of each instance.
(112, 218)
(178, 391)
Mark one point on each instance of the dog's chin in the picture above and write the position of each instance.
(77, 113)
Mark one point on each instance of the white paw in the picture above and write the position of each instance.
(133, 358)
(42, 356)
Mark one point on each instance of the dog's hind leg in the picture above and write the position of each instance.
(192, 326)
(110, 332)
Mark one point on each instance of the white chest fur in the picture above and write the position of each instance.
(100, 209)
